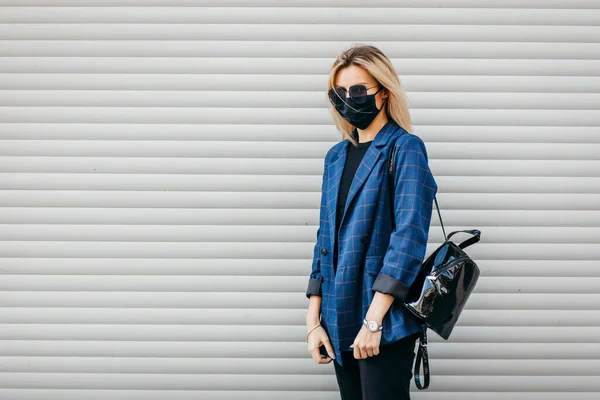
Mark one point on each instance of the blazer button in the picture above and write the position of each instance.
(324, 252)
(364, 239)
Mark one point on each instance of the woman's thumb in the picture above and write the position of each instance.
(330, 350)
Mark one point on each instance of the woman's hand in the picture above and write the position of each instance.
(316, 339)
(366, 343)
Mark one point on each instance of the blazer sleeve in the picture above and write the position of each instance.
(315, 278)
(415, 188)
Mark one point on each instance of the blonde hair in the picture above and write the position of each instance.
(380, 67)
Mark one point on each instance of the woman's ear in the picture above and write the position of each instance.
(385, 93)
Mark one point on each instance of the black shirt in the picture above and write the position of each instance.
(353, 159)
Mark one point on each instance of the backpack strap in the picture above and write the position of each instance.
(422, 354)
(422, 357)
(476, 236)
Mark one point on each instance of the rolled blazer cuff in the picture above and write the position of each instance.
(314, 287)
(390, 285)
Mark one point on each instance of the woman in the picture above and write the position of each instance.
(363, 265)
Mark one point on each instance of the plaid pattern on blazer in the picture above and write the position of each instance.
(390, 260)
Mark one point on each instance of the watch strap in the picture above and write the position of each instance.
(379, 326)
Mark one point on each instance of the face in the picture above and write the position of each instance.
(355, 75)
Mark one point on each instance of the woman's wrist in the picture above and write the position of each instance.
(379, 307)
(310, 330)
(312, 320)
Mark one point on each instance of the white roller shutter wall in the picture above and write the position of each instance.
(160, 169)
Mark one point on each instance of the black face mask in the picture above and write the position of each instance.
(362, 114)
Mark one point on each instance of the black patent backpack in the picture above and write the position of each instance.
(441, 289)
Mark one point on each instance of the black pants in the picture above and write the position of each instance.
(386, 376)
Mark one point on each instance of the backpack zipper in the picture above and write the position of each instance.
(435, 273)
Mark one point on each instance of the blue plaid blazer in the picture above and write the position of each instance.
(370, 256)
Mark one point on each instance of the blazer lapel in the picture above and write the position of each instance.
(336, 170)
(362, 173)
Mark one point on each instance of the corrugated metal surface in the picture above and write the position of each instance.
(160, 168)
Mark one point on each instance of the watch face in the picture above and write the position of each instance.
(372, 326)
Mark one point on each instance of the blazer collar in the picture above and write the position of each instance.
(336, 168)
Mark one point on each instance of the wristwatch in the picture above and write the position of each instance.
(373, 326)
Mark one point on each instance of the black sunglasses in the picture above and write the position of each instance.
(358, 93)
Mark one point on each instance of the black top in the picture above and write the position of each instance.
(353, 159)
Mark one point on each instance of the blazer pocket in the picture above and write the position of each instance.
(373, 265)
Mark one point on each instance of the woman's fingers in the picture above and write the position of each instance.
(320, 358)
(364, 350)
(325, 360)
(314, 351)
(318, 339)
(329, 348)
(370, 352)
(366, 344)
(313, 344)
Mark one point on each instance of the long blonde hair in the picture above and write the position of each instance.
(380, 67)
